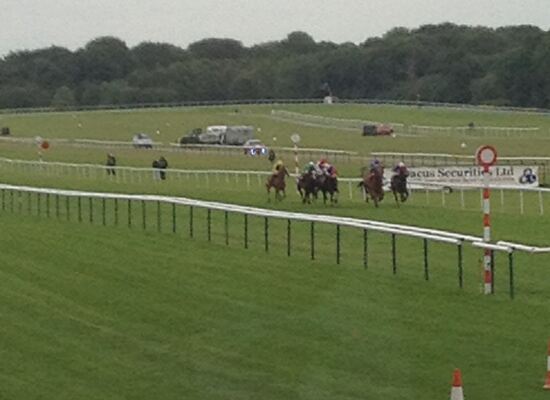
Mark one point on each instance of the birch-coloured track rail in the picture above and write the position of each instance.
(59, 203)
(432, 193)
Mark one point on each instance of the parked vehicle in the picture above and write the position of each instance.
(254, 147)
(213, 134)
(192, 137)
(377, 130)
(142, 140)
(237, 135)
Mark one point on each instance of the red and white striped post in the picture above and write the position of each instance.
(296, 139)
(486, 156)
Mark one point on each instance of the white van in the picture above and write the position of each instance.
(213, 135)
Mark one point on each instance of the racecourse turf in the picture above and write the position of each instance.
(133, 314)
(98, 309)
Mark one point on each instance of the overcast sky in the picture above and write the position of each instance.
(31, 24)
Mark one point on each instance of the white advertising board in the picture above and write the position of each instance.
(504, 175)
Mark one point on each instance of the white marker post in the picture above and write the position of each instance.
(486, 156)
(296, 139)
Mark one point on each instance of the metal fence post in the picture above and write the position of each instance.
(116, 211)
(493, 271)
(143, 215)
(246, 231)
(226, 227)
(266, 234)
(209, 224)
(79, 209)
(312, 239)
(393, 254)
(29, 202)
(129, 213)
(460, 267)
(47, 203)
(426, 271)
(365, 249)
(288, 237)
(173, 217)
(190, 221)
(103, 211)
(57, 205)
(38, 205)
(511, 271)
(337, 244)
(3, 200)
(159, 227)
(91, 209)
(68, 208)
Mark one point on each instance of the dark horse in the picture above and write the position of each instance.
(329, 185)
(373, 185)
(277, 182)
(399, 186)
(307, 186)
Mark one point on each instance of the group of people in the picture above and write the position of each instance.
(324, 168)
(400, 169)
(159, 166)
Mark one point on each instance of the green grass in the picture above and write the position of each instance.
(173, 123)
(133, 314)
(122, 307)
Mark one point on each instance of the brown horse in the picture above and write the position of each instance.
(399, 186)
(277, 182)
(373, 185)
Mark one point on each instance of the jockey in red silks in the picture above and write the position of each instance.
(324, 166)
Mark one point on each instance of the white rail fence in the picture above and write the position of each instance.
(12, 200)
(433, 193)
(435, 159)
(414, 130)
(334, 154)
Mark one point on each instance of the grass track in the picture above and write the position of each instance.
(128, 314)
(102, 312)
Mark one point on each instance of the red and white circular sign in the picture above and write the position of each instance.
(486, 156)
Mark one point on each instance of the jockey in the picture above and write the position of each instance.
(401, 170)
(323, 166)
(277, 167)
(331, 171)
(375, 165)
(310, 168)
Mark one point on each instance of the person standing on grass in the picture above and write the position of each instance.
(111, 164)
(156, 171)
(162, 165)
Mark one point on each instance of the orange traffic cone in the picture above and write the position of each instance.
(547, 383)
(456, 391)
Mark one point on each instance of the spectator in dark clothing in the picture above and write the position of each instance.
(162, 165)
(156, 171)
(111, 163)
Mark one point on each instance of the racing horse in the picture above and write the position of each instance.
(329, 185)
(373, 185)
(398, 185)
(307, 185)
(277, 182)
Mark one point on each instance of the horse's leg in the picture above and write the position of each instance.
(395, 196)
(268, 193)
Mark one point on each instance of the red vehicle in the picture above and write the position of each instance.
(377, 130)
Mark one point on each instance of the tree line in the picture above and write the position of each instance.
(443, 63)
